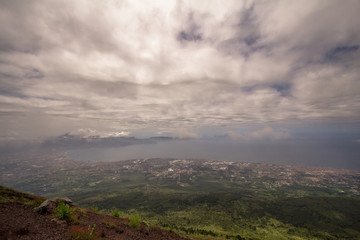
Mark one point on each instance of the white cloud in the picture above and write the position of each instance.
(86, 132)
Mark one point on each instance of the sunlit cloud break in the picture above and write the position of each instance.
(95, 133)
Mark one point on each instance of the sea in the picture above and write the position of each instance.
(331, 153)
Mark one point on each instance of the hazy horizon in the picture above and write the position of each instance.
(299, 152)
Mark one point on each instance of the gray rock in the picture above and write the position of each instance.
(48, 206)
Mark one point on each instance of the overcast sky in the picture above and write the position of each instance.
(184, 68)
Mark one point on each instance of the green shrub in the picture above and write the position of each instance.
(63, 211)
(115, 213)
(135, 220)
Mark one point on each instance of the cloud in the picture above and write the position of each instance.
(265, 133)
(184, 134)
(170, 65)
(269, 133)
(96, 133)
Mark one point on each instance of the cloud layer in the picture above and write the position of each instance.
(265, 133)
(136, 66)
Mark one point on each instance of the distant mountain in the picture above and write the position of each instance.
(71, 141)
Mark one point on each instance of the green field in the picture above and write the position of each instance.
(215, 209)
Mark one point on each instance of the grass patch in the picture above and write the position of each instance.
(115, 213)
(134, 220)
(63, 211)
(8, 195)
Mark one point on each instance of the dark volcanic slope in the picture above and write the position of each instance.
(18, 220)
(21, 222)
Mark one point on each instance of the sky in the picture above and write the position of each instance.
(188, 69)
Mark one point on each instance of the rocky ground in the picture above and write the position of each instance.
(21, 222)
(18, 220)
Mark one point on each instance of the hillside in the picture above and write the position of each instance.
(18, 220)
